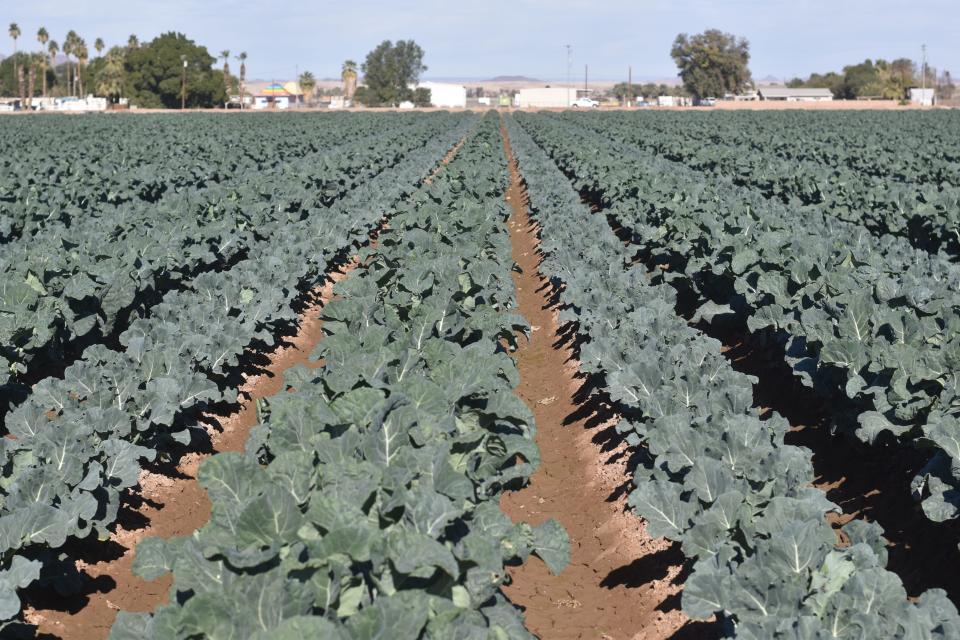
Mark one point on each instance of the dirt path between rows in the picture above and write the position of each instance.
(621, 584)
(168, 505)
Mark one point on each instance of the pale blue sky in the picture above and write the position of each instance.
(516, 37)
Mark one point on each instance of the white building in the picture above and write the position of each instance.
(444, 95)
(922, 97)
(277, 96)
(546, 97)
(786, 94)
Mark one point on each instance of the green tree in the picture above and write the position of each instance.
(106, 74)
(422, 97)
(111, 74)
(712, 63)
(43, 37)
(154, 71)
(14, 33)
(243, 75)
(9, 74)
(349, 76)
(99, 45)
(945, 86)
(82, 56)
(133, 42)
(52, 50)
(859, 81)
(227, 81)
(70, 45)
(308, 84)
(34, 63)
(389, 71)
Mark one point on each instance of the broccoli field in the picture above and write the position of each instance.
(439, 375)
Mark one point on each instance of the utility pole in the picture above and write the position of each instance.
(585, 89)
(923, 77)
(629, 85)
(569, 63)
(183, 84)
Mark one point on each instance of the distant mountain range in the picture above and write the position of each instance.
(513, 79)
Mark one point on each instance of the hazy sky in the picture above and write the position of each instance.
(516, 37)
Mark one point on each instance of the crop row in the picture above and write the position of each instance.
(711, 473)
(64, 171)
(73, 284)
(76, 444)
(926, 214)
(908, 147)
(366, 505)
(862, 319)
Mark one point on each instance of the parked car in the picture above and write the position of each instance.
(708, 102)
(584, 103)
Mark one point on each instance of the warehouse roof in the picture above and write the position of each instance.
(785, 92)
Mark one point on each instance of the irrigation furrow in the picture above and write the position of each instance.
(621, 583)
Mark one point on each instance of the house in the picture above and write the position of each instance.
(445, 95)
(787, 94)
(277, 96)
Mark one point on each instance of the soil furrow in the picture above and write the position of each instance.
(175, 504)
(620, 583)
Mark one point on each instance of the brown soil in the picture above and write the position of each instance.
(170, 505)
(620, 583)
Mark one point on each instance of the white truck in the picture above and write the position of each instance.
(584, 103)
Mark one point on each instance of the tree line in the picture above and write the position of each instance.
(172, 69)
(714, 63)
(166, 72)
(879, 79)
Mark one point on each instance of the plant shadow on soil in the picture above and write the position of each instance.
(870, 482)
(597, 414)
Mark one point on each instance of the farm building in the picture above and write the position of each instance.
(546, 97)
(446, 95)
(278, 96)
(922, 97)
(787, 94)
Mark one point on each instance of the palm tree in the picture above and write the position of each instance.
(99, 45)
(70, 44)
(21, 84)
(307, 84)
(349, 77)
(225, 54)
(133, 42)
(34, 60)
(111, 77)
(42, 38)
(53, 49)
(82, 56)
(14, 33)
(243, 74)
